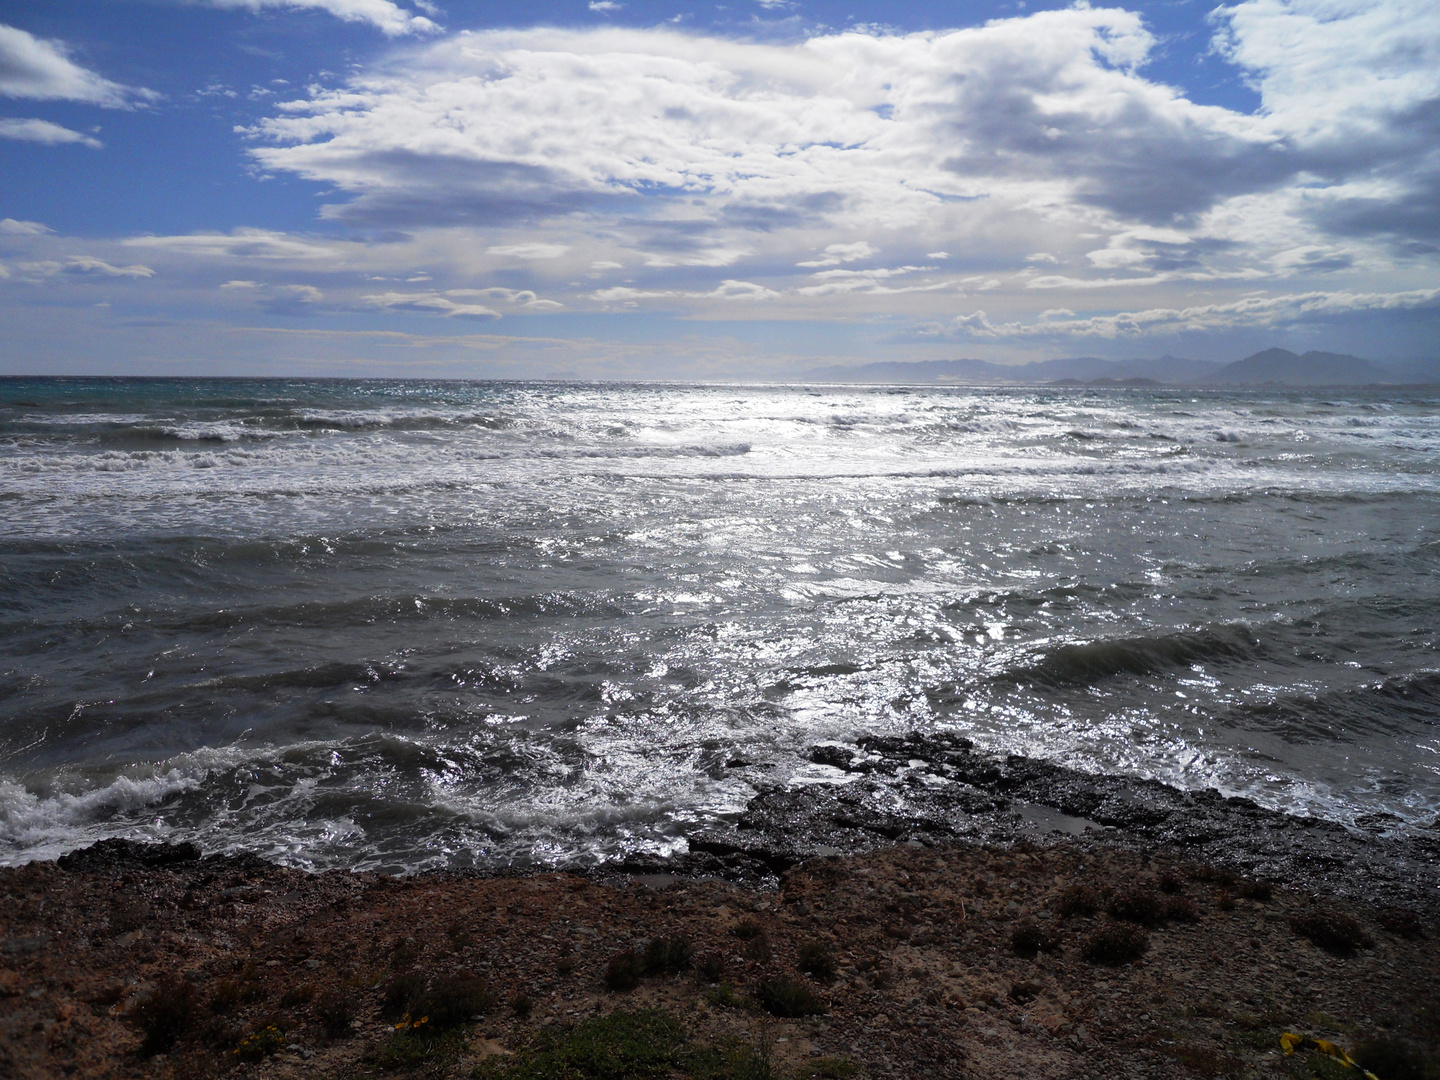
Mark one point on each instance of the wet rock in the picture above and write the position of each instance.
(956, 792)
(116, 855)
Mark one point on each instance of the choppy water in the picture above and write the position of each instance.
(402, 624)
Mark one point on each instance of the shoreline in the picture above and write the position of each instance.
(948, 932)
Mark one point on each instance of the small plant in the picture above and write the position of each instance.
(826, 1068)
(1078, 900)
(164, 1015)
(725, 997)
(1333, 931)
(566, 964)
(758, 948)
(401, 992)
(1116, 943)
(297, 995)
(1224, 878)
(624, 970)
(1393, 1059)
(815, 958)
(1180, 909)
(1137, 906)
(260, 1043)
(521, 1004)
(454, 999)
(746, 929)
(623, 1046)
(1029, 938)
(416, 1046)
(460, 936)
(1022, 993)
(225, 997)
(1253, 889)
(711, 967)
(665, 956)
(1170, 882)
(1401, 922)
(1224, 901)
(334, 1009)
(787, 998)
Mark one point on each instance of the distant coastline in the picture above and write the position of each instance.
(1270, 368)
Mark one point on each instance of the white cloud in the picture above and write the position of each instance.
(89, 266)
(11, 227)
(937, 255)
(46, 133)
(524, 298)
(835, 254)
(605, 6)
(430, 304)
(389, 18)
(529, 251)
(1252, 311)
(730, 289)
(32, 67)
(238, 284)
(242, 244)
(80, 266)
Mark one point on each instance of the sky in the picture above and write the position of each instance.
(750, 189)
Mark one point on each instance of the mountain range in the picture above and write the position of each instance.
(1272, 367)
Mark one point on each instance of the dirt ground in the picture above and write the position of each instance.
(943, 961)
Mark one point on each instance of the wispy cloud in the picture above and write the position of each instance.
(389, 18)
(45, 133)
(35, 68)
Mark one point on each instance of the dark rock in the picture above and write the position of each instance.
(785, 826)
(114, 855)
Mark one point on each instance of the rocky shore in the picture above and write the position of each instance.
(943, 913)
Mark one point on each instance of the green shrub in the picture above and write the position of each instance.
(1029, 938)
(1116, 943)
(666, 956)
(260, 1043)
(1333, 931)
(401, 992)
(815, 958)
(164, 1015)
(1180, 909)
(624, 970)
(1137, 906)
(1400, 921)
(334, 1010)
(297, 995)
(647, 1045)
(453, 999)
(712, 967)
(1078, 900)
(787, 998)
(1392, 1059)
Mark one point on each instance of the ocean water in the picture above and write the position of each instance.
(403, 625)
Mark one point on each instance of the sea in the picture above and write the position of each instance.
(407, 625)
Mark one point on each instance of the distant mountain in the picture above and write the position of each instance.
(1281, 367)
(1415, 371)
(1167, 370)
(1273, 367)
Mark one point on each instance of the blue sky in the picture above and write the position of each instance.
(741, 189)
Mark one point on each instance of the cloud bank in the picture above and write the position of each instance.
(1026, 180)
